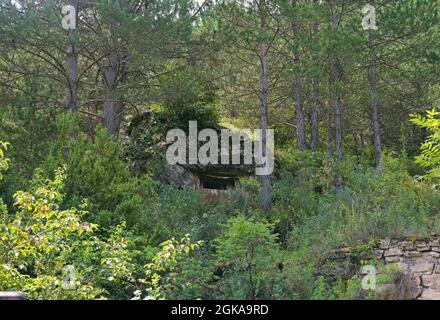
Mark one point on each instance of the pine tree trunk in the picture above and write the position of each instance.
(72, 66)
(336, 76)
(374, 98)
(112, 100)
(264, 120)
(338, 113)
(315, 82)
(299, 109)
(329, 129)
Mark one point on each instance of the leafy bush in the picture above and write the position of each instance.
(245, 251)
(37, 243)
(430, 156)
(4, 163)
(164, 261)
(51, 253)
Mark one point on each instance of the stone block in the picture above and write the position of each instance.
(393, 252)
(429, 294)
(384, 244)
(431, 281)
(412, 254)
(416, 279)
(408, 245)
(423, 267)
(392, 259)
(378, 253)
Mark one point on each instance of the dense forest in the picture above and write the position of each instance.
(89, 90)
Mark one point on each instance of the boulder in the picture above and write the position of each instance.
(423, 267)
(177, 175)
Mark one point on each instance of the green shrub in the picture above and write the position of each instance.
(191, 278)
(246, 251)
(430, 156)
(371, 205)
(38, 243)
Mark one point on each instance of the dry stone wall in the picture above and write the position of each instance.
(419, 261)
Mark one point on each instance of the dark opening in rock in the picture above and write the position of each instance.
(217, 183)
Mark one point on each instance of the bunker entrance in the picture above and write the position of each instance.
(217, 182)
